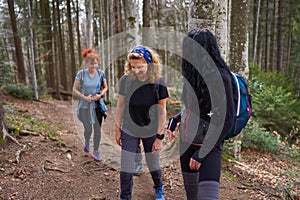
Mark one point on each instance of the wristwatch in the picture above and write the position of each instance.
(160, 136)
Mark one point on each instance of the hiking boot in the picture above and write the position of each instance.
(86, 149)
(160, 193)
(96, 155)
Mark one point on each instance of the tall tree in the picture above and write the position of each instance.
(56, 51)
(146, 19)
(279, 35)
(61, 50)
(32, 51)
(238, 42)
(257, 14)
(46, 51)
(71, 40)
(211, 15)
(21, 74)
(89, 23)
(77, 9)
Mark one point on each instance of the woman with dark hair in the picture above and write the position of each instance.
(207, 117)
(141, 116)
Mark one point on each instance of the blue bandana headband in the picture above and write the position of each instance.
(144, 51)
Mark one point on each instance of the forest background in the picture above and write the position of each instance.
(41, 43)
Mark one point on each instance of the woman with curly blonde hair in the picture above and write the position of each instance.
(141, 115)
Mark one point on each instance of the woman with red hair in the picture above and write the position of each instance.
(90, 86)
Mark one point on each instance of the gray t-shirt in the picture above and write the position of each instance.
(90, 85)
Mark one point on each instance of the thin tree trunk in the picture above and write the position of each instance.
(101, 30)
(78, 32)
(146, 20)
(61, 52)
(279, 35)
(267, 37)
(273, 39)
(89, 23)
(256, 33)
(71, 42)
(21, 73)
(56, 52)
(47, 44)
(32, 51)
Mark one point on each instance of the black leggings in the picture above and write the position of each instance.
(211, 166)
(204, 183)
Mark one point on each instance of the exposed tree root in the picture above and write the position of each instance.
(19, 152)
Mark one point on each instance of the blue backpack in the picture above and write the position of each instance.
(242, 105)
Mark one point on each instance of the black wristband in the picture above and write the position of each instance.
(160, 136)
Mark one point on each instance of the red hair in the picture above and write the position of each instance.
(90, 53)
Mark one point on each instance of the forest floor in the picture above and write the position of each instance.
(54, 166)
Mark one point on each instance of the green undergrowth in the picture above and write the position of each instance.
(18, 120)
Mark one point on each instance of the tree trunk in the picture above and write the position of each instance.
(256, 33)
(267, 39)
(279, 35)
(211, 15)
(55, 52)
(32, 52)
(71, 43)
(78, 33)
(21, 74)
(273, 39)
(2, 124)
(146, 20)
(238, 42)
(61, 51)
(89, 23)
(47, 52)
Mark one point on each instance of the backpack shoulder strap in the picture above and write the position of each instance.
(81, 76)
(100, 72)
(238, 93)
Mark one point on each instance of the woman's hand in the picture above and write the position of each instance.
(173, 135)
(194, 165)
(118, 136)
(157, 145)
(97, 97)
(89, 98)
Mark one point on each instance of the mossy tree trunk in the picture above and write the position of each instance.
(2, 123)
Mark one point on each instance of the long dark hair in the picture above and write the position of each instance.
(209, 43)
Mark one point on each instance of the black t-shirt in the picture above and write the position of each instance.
(140, 115)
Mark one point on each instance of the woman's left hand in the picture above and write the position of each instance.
(97, 97)
(194, 165)
(157, 145)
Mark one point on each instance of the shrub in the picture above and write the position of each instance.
(275, 106)
(20, 91)
(259, 138)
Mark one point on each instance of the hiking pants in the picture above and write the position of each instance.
(204, 183)
(88, 127)
(129, 148)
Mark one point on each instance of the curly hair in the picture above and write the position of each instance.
(154, 69)
(90, 53)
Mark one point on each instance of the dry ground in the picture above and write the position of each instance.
(50, 169)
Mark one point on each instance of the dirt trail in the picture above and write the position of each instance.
(52, 170)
